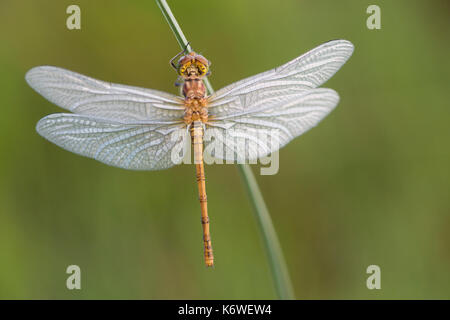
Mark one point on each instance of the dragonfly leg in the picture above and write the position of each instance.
(179, 54)
(179, 81)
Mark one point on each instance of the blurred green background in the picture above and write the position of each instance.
(369, 185)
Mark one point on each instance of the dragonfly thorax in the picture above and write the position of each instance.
(195, 113)
(195, 101)
(194, 89)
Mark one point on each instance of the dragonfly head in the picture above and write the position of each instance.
(193, 64)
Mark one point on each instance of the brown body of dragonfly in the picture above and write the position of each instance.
(192, 68)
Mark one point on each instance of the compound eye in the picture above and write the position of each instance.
(202, 68)
(183, 68)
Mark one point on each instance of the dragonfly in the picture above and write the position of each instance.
(134, 128)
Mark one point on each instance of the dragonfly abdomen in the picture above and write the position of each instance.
(196, 130)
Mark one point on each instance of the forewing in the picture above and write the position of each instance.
(267, 125)
(130, 146)
(84, 95)
(308, 71)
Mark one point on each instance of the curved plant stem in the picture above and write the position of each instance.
(274, 253)
(272, 245)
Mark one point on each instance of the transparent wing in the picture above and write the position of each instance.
(268, 126)
(138, 146)
(258, 115)
(83, 95)
(308, 71)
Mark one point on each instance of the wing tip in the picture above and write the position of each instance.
(332, 95)
(41, 123)
(49, 119)
(30, 75)
(345, 44)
